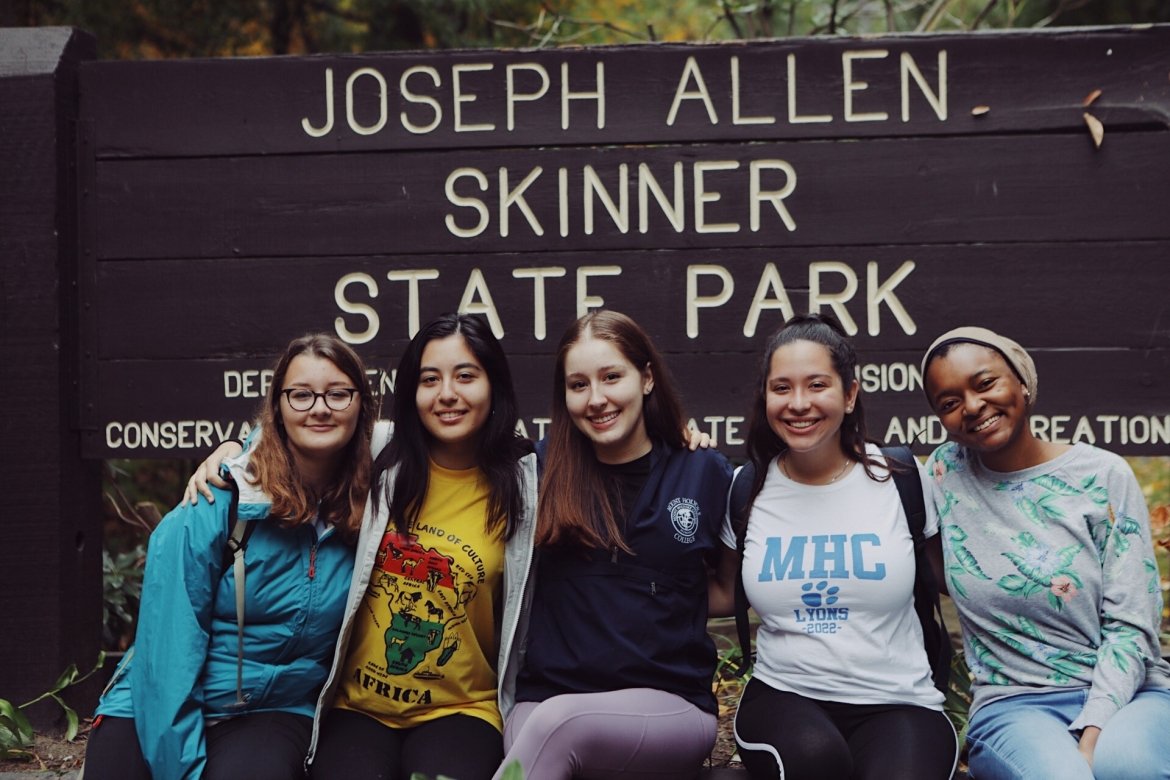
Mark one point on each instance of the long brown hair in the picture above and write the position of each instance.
(575, 505)
(272, 467)
(500, 449)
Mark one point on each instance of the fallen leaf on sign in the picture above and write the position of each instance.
(1090, 98)
(1096, 129)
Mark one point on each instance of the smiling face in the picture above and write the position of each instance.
(320, 434)
(603, 394)
(454, 400)
(806, 400)
(978, 398)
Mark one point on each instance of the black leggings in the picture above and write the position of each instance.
(783, 735)
(354, 746)
(257, 746)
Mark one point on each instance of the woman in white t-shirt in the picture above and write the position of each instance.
(841, 686)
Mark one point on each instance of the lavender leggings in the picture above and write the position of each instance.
(632, 733)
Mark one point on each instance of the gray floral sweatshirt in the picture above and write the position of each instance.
(1053, 572)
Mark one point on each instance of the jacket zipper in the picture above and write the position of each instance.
(313, 560)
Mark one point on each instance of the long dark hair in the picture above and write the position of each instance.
(763, 445)
(575, 505)
(271, 465)
(499, 450)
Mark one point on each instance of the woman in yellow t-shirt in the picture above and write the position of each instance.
(430, 616)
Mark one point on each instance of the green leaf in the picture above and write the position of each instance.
(1118, 657)
(968, 561)
(1029, 510)
(71, 719)
(1034, 574)
(513, 771)
(1050, 507)
(15, 719)
(1068, 554)
(1031, 629)
(1128, 526)
(957, 587)
(1058, 486)
(1013, 583)
(67, 678)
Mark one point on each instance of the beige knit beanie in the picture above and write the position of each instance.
(1015, 355)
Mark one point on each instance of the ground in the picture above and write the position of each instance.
(50, 754)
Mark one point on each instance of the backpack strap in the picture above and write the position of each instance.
(935, 638)
(740, 507)
(233, 555)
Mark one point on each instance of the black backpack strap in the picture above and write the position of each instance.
(926, 592)
(740, 508)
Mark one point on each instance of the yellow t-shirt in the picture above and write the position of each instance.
(424, 640)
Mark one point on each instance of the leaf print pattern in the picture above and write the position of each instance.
(1056, 486)
(983, 664)
(1153, 583)
(1122, 528)
(1026, 638)
(1040, 511)
(1120, 646)
(1060, 544)
(1039, 565)
(1098, 494)
(965, 562)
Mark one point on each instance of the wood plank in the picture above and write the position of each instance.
(50, 565)
(207, 400)
(1030, 81)
(1047, 295)
(987, 189)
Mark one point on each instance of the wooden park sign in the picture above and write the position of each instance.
(166, 227)
(907, 183)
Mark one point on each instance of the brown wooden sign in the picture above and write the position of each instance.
(907, 183)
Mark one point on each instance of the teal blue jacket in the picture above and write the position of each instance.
(181, 674)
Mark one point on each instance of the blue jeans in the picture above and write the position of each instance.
(1027, 737)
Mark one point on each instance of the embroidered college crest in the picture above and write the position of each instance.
(684, 516)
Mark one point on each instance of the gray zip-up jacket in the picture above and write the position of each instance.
(518, 564)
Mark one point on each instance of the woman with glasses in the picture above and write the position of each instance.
(426, 663)
(230, 657)
(441, 567)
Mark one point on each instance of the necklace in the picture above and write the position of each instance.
(837, 476)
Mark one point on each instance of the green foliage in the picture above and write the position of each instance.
(513, 771)
(121, 593)
(620, 21)
(957, 701)
(134, 490)
(148, 29)
(17, 734)
(200, 28)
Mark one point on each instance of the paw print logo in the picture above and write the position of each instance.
(819, 594)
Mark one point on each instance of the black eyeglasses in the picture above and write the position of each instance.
(336, 398)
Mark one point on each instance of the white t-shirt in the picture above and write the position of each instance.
(830, 571)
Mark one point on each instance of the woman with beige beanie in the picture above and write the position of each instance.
(1049, 560)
